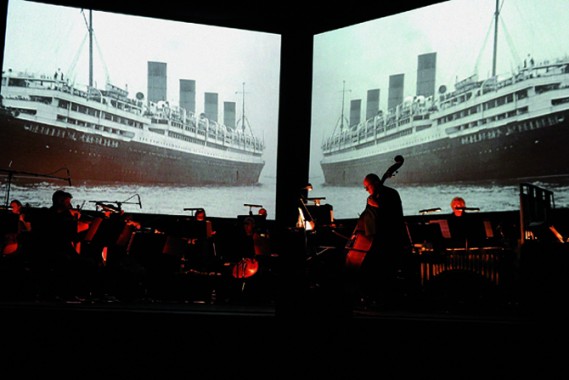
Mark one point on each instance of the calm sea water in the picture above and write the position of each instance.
(487, 197)
(228, 202)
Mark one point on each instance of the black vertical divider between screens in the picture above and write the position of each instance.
(292, 163)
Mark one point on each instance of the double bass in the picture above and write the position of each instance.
(359, 244)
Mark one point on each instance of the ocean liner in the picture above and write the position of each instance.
(514, 128)
(49, 126)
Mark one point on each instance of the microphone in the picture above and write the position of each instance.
(430, 210)
(68, 177)
(139, 201)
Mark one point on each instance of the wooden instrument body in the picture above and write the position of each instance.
(357, 248)
(360, 244)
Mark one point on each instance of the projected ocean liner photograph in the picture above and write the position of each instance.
(143, 127)
(464, 91)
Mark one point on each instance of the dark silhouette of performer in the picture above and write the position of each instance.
(57, 254)
(466, 229)
(382, 225)
(15, 228)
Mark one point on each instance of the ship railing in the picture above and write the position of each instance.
(213, 133)
(202, 124)
(202, 127)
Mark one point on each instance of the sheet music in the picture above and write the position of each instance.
(443, 224)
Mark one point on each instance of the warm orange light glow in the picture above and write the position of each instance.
(245, 268)
(104, 255)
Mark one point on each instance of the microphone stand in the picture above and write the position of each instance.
(139, 203)
(11, 174)
(118, 203)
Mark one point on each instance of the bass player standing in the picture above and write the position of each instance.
(379, 242)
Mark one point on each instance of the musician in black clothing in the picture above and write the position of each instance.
(458, 224)
(58, 237)
(56, 231)
(15, 229)
(466, 229)
(381, 227)
(384, 223)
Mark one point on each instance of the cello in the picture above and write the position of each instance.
(359, 244)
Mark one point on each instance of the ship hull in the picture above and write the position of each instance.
(518, 153)
(88, 158)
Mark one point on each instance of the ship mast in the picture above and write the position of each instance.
(243, 118)
(495, 52)
(89, 25)
(243, 110)
(342, 118)
(90, 31)
(342, 114)
(90, 48)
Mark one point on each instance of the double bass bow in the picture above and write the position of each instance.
(359, 244)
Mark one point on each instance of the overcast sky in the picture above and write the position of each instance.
(40, 38)
(459, 31)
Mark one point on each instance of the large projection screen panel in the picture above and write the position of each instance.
(472, 95)
(176, 114)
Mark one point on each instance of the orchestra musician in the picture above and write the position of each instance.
(246, 239)
(66, 224)
(381, 225)
(192, 248)
(18, 209)
(200, 215)
(18, 229)
(242, 255)
(57, 247)
(109, 234)
(458, 205)
(464, 228)
(204, 254)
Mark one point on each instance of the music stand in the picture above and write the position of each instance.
(322, 215)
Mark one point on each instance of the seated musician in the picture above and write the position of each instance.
(458, 206)
(199, 255)
(458, 224)
(16, 231)
(200, 215)
(58, 234)
(18, 209)
(65, 224)
(465, 229)
(108, 236)
(246, 239)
